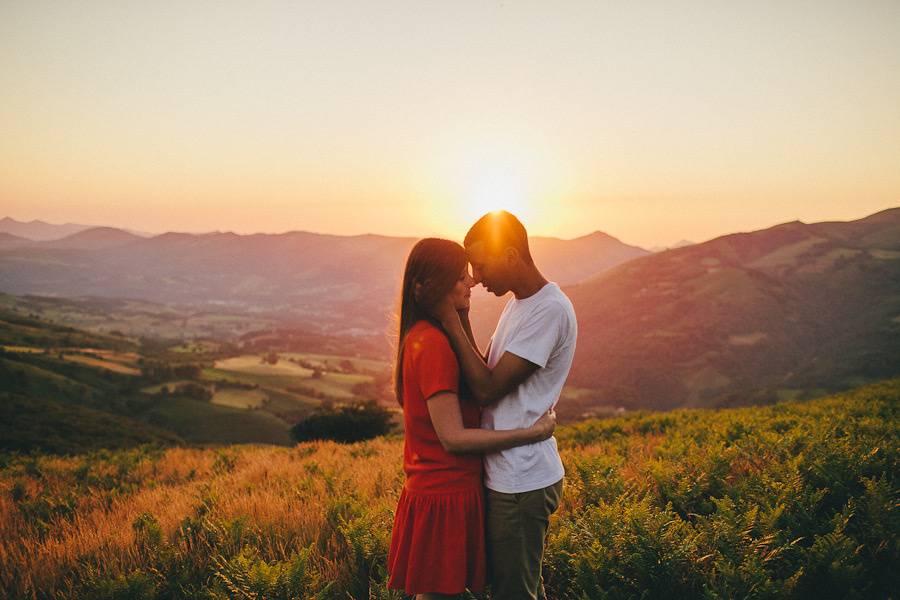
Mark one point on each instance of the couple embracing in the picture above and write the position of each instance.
(483, 474)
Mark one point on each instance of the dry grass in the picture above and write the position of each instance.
(282, 492)
(659, 505)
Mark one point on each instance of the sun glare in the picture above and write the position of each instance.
(495, 190)
(476, 176)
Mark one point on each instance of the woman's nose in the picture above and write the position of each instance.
(470, 281)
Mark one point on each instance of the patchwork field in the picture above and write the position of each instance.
(134, 318)
(253, 365)
(238, 398)
(333, 362)
(115, 367)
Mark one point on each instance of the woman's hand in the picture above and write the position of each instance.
(543, 427)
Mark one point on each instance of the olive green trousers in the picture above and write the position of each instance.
(516, 532)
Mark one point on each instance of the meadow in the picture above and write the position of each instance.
(792, 500)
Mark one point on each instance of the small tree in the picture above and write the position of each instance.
(346, 423)
(195, 391)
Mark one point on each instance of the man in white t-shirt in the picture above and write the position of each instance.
(518, 379)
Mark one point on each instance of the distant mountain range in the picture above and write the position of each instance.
(790, 311)
(750, 317)
(40, 231)
(342, 284)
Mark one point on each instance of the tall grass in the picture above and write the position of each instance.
(787, 501)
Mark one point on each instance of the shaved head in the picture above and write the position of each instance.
(498, 231)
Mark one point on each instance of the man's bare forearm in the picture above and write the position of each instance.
(467, 327)
(472, 364)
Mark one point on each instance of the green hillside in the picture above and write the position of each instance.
(792, 311)
(797, 500)
(67, 390)
(29, 424)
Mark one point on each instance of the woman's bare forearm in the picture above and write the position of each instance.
(474, 441)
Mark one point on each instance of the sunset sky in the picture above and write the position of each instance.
(652, 121)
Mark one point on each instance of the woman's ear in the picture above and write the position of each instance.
(417, 291)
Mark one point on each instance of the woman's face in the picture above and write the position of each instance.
(462, 290)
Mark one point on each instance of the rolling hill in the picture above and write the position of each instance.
(792, 310)
(8, 240)
(38, 230)
(94, 238)
(66, 390)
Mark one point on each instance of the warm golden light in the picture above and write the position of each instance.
(323, 117)
(496, 190)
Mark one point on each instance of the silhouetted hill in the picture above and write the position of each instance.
(39, 230)
(8, 240)
(572, 261)
(745, 317)
(342, 284)
(95, 238)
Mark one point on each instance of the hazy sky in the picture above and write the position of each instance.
(652, 121)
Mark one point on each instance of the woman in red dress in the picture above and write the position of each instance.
(438, 545)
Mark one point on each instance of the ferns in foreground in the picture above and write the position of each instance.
(795, 500)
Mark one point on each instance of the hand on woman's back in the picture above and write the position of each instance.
(546, 424)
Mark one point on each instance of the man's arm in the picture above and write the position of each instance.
(486, 384)
(467, 327)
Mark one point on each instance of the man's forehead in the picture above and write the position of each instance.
(475, 252)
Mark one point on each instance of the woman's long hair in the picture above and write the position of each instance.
(435, 265)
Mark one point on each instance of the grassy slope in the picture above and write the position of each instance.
(71, 403)
(38, 425)
(795, 500)
(206, 423)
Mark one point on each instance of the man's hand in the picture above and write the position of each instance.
(543, 427)
(445, 312)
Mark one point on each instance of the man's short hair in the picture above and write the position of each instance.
(498, 231)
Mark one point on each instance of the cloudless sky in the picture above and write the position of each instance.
(652, 121)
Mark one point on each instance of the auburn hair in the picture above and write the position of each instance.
(432, 269)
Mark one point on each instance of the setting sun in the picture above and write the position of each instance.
(496, 190)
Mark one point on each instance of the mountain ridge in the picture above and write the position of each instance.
(795, 306)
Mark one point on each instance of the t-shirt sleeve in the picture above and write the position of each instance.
(537, 338)
(437, 368)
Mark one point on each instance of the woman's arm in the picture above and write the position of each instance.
(446, 417)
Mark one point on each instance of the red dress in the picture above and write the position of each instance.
(437, 544)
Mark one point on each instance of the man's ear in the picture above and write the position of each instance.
(512, 256)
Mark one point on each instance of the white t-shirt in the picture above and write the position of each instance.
(542, 329)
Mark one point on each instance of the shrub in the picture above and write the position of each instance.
(346, 423)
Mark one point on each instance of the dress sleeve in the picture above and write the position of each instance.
(437, 369)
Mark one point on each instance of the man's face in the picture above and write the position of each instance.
(488, 270)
